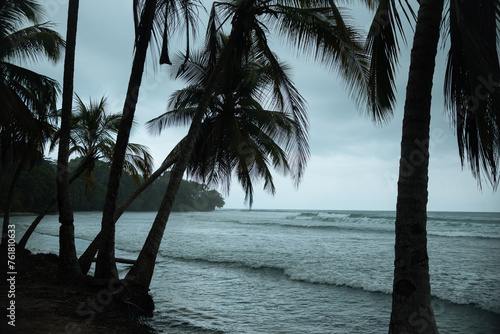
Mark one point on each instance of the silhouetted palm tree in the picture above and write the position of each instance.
(472, 97)
(27, 99)
(307, 25)
(68, 262)
(237, 133)
(92, 138)
(160, 18)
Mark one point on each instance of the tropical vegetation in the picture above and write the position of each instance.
(237, 135)
(38, 184)
(162, 18)
(92, 138)
(306, 24)
(27, 99)
(33, 187)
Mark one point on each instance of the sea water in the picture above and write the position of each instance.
(233, 271)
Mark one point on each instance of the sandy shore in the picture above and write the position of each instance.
(43, 304)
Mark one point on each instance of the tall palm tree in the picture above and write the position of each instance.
(473, 98)
(221, 146)
(68, 262)
(27, 99)
(92, 138)
(160, 19)
(306, 25)
(238, 134)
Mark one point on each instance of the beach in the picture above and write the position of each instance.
(286, 271)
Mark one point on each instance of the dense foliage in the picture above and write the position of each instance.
(37, 186)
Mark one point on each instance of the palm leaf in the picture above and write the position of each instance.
(139, 159)
(37, 91)
(30, 43)
(93, 134)
(169, 16)
(382, 46)
(16, 13)
(472, 94)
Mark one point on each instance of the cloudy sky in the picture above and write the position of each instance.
(353, 164)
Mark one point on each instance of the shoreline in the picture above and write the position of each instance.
(43, 304)
(21, 214)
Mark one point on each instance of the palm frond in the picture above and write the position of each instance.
(38, 92)
(192, 71)
(169, 17)
(140, 159)
(176, 117)
(472, 85)
(326, 35)
(30, 43)
(15, 14)
(27, 99)
(382, 46)
(288, 99)
(26, 118)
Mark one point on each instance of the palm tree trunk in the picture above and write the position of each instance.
(105, 264)
(142, 271)
(22, 243)
(411, 297)
(167, 163)
(8, 204)
(88, 256)
(34, 224)
(68, 262)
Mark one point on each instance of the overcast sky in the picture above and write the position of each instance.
(353, 164)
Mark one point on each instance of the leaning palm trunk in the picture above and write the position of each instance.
(68, 262)
(48, 207)
(167, 163)
(142, 271)
(88, 256)
(8, 204)
(411, 298)
(105, 264)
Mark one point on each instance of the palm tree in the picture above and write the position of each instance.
(219, 149)
(92, 138)
(473, 98)
(306, 24)
(160, 18)
(237, 133)
(68, 262)
(27, 99)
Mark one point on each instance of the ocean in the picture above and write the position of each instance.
(295, 271)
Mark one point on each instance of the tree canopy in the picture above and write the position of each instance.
(38, 184)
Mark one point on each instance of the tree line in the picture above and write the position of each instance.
(37, 184)
(247, 119)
